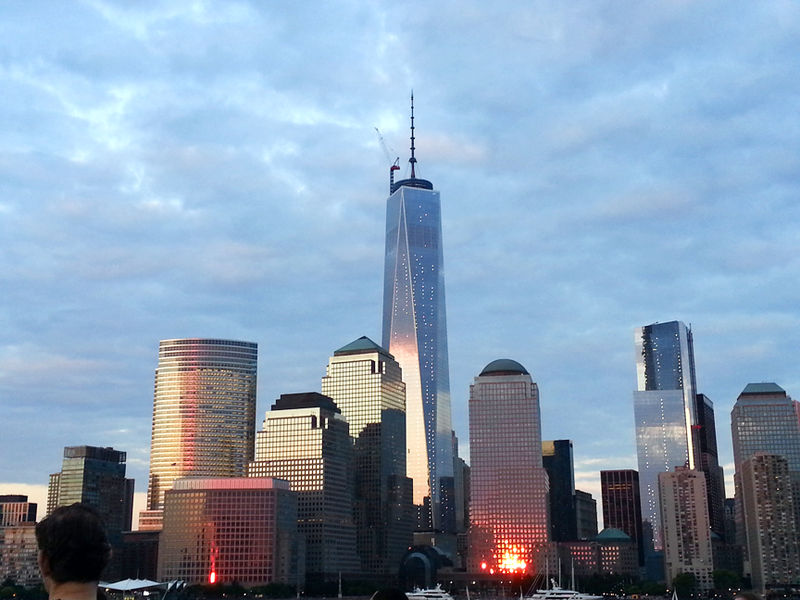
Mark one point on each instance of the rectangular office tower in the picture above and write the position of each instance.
(366, 384)
(686, 526)
(664, 407)
(709, 464)
(96, 476)
(230, 530)
(15, 509)
(306, 441)
(764, 424)
(770, 524)
(204, 415)
(558, 462)
(621, 504)
(415, 332)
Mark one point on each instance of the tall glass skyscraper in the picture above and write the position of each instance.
(664, 411)
(415, 332)
(204, 413)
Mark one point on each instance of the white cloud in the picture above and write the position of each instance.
(212, 169)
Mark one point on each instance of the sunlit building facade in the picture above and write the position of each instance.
(18, 554)
(203, 415)
(509, 524)
(415, 332)
(664, 411)
(232, 529)
(306, 441)
(686, 526)
(366, 384)
(15, 509)
(18, 559)
(96, 476)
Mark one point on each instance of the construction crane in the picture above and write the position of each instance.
(395, 165)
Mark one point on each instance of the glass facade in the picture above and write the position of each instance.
(621, 505)
(96, 476)
(203, 413)
(664, 411)
(230, 530)
(366, 384)
(509, 489)
(415, 332)
(557, 461)
(306, 441)
(763, 421)
(709, 464)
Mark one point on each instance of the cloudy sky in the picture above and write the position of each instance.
(212, 169)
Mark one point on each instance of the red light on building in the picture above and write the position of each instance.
(483, 565)
(212, 577)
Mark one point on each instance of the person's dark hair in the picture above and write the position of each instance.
(747, 596)
(73, 539)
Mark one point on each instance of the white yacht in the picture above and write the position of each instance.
(436, 593)
(559, 593)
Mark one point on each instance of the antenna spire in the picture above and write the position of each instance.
(412, 160)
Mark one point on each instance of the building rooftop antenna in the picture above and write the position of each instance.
(412, 160)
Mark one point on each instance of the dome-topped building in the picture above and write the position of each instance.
(504, 366)
(509, 525)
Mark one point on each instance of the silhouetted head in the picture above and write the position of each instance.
(746, 596)
(72, 545)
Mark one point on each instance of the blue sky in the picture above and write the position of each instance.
(211, 169)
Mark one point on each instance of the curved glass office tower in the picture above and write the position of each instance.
(204, 414)
(415, 332)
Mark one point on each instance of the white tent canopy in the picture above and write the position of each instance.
(127, 585)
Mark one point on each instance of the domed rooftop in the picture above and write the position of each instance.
(504, 366)
(612, 533)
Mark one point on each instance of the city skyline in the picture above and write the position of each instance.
(169, 187)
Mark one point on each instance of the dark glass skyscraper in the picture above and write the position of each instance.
(664, 410)
(96, 476)
(621, 505)
(557, 461)
(709, 464)
(415, 332)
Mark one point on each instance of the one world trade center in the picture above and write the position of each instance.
(415, 332)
